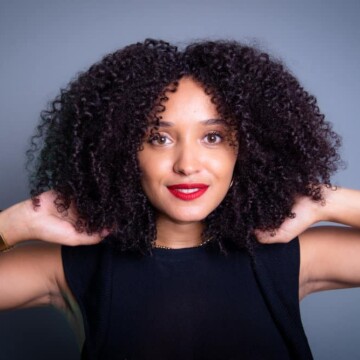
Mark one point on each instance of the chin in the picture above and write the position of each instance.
(189, 217)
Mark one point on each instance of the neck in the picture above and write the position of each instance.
(178, 235)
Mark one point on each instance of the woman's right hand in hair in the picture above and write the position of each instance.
(23, 221)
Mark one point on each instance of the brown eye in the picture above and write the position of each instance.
(213, 138)
(158, 139)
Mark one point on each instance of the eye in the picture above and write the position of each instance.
(159, 139)
(213, 137)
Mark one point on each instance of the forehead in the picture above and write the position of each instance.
(189, 101)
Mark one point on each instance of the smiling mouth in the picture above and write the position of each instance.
(188, 192)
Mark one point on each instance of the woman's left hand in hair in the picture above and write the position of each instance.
(339, 205)
(307, 212)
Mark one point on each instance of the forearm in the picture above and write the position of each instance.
(24, 221)
(15, 223)
(330, 254)
(341, 206)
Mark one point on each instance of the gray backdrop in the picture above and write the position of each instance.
(45, 43)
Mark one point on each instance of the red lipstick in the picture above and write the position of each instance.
(188, 192)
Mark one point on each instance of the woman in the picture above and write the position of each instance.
(185, 161)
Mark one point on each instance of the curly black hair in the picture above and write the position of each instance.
(87, 142)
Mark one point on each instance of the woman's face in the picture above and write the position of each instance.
(187, 163)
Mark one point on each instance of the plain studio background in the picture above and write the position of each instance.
(45, 43)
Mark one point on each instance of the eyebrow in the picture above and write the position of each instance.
(163, 123)
(214, 122)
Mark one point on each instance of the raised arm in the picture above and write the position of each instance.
(31, 273)
(330, 255)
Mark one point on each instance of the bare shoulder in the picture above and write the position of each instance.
(329, 258)
(34, 276)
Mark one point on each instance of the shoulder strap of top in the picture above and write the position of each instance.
(88, 272)
(276, 268)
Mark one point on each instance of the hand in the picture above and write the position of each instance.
(23, 222)
(307, 212)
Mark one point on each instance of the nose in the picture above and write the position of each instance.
(187, 160)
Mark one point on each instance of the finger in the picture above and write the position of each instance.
(85, 239)
(271, 237)
(104, 233)
(94, 238)
(263, 237)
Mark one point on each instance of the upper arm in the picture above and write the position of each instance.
(329, 258)
(32, 275)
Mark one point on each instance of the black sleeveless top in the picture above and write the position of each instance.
(193, 303)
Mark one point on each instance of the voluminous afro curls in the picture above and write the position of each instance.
(87, 142)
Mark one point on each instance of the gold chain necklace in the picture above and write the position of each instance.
(170, 248)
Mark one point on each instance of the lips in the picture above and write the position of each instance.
(188, 192)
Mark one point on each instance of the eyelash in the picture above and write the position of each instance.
(156, 136)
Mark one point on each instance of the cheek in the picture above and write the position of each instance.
(148, 187)
(223, 168)
(154, 173)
